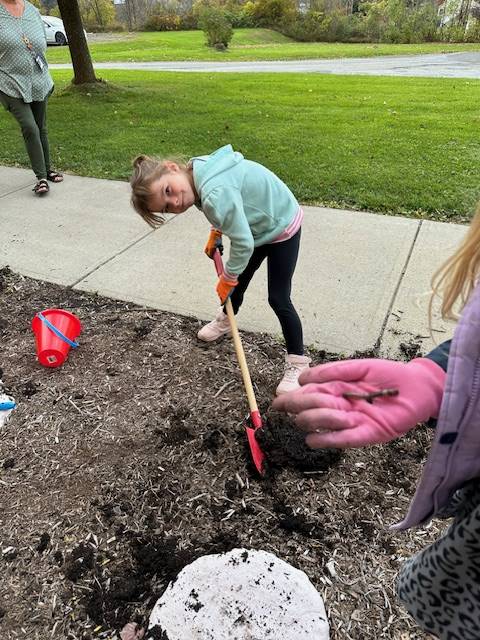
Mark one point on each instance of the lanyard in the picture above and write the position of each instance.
(37, 58)
(21, 31)
(27, 42)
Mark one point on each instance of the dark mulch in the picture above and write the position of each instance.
(130, 461)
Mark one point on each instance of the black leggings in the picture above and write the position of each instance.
(281, 262)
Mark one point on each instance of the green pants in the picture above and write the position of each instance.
(32, 118)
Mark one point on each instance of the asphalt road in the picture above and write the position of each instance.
(443, 65)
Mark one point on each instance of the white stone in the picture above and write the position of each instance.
(4, 415)
(241, 595)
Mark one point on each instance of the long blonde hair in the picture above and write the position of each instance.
(457, 277)
(145, 171)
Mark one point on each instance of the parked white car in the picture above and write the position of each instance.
(55, 31)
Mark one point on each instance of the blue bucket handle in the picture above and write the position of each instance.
(56, 331)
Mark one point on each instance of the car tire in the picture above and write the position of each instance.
(60, 38)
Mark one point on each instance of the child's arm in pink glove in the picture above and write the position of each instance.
(335, 421)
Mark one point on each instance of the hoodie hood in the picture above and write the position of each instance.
(207, 167)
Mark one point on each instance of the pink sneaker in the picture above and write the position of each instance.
(215, 329)
(294, 365)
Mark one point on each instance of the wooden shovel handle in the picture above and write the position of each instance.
(247, 381)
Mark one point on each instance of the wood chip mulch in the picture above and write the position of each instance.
(130, 461)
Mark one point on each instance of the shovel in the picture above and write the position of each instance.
(255, 421)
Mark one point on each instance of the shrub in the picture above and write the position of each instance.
(199, 6)
(472, 33)
(397, 21)
(326, 20)
(116, 26)
(162, 22)
(188, 21)
(452, 33)
(98, 14)
(239, 18)
(317, 26)
(170, 21)
(272, 12)
(236, 12)
(94, 27)
(217, 28)
(423, 23)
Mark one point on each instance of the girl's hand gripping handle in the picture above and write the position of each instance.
(332, 420)
(214, 242)
(225, 286)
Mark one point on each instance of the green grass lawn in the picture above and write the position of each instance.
(247, 44)
(406, 146)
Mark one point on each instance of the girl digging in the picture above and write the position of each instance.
(338, 406)
(260, 215)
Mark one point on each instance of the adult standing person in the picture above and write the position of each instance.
(26, 84)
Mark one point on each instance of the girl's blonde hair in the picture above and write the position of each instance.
(457, 277)
(145, 171)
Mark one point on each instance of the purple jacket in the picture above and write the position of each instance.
(454, 458)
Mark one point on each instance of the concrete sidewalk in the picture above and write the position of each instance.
(362, 278)
(436, 65)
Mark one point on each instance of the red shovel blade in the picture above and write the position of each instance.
(258, 456)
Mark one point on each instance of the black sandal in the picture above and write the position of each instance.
(41, 188)
(54, 176)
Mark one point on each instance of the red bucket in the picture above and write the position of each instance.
(55, 332)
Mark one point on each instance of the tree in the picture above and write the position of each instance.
(77, 42)
(464, 13)
(100, 12)
(135, 13)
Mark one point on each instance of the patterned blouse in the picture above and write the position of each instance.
(20, 76)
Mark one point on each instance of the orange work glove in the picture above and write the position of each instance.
(225, 286)
(214, 242)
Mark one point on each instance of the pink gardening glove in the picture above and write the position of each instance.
(334, 421)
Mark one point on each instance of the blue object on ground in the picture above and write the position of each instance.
(6, 406)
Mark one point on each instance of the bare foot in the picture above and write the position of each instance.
(132, 631)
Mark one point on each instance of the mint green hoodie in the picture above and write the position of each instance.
(244, 200)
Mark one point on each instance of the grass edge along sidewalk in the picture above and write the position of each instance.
(394, 145)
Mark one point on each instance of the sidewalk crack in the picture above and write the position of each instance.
(395, 292)
(168, 220)
(112, 257)
(8, 193)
